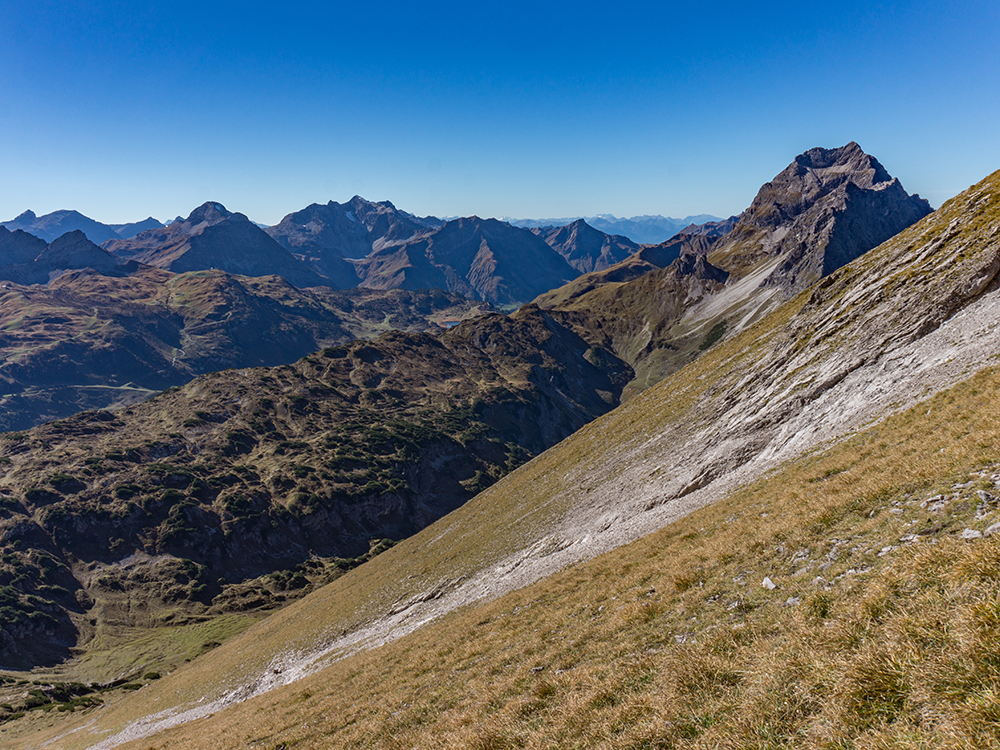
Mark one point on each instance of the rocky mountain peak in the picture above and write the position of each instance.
(813, 175)
(27, 216)
(358, 202)
(825, 209)
(207, 214)
(70, 241)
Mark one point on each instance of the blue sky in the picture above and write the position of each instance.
(126, 109)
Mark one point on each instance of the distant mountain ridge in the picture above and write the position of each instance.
(26, 259)
(586, 248)
(644, 230)
(213, 237)
(479, 258)
(53, 225)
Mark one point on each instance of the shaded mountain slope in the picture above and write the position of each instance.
(18, 247)
(254, 471)
(88, 340)
(35, 262)
(212, 237)
(478, 258)
(915, 317)
(585, 248)
(323, 236)
(827, 208)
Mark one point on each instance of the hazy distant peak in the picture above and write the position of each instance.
(27, 216)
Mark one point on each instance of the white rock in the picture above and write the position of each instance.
(971, 534)
(992, 529)
(768, 584)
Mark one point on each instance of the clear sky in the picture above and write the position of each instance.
(524, 109)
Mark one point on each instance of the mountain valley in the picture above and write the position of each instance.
(725, 490)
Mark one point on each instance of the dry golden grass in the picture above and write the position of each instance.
(672, 641)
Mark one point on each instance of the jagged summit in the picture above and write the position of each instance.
(815, 174)
(824, 210)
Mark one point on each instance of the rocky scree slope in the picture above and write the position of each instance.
(824, 210)
(917, 315)
(143, 517)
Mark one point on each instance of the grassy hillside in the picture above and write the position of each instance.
(879, 631)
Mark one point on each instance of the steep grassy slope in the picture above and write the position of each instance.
(830, 432)
(879, 631)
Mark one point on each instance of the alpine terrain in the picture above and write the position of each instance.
(734, 491)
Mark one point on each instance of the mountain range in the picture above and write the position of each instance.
(759, 507)
(52, 226)
(647, 230)
(91, 327)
